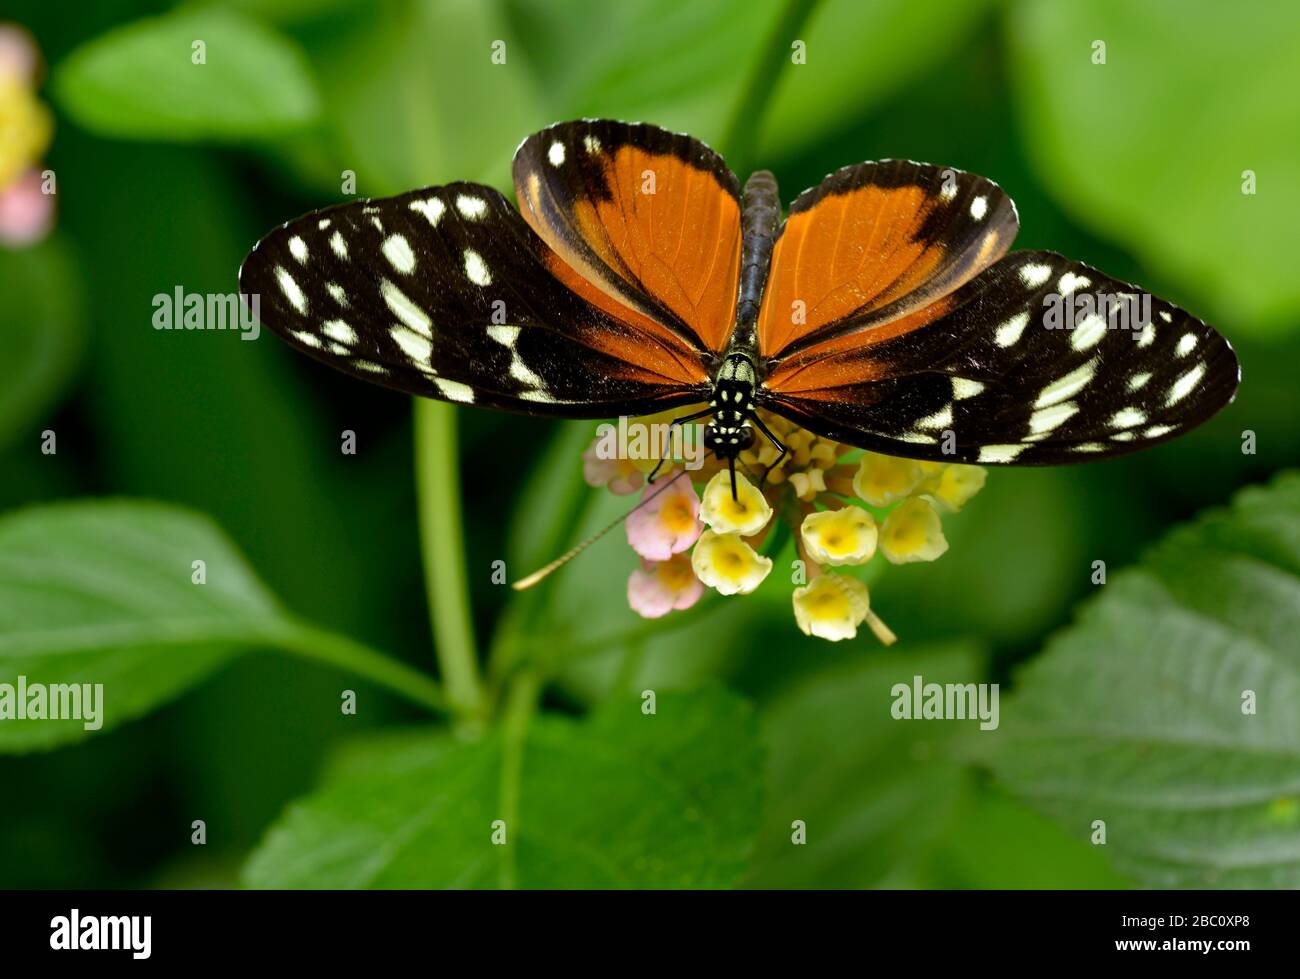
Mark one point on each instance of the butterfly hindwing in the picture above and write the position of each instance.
(1013, 377)
(876, 242)
(445, 292)
(639, 219)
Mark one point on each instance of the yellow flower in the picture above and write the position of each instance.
(25, 127)
(747, 514)
(808, 484)
(931, 475)
(957, 484)
(727, 563)
(880, 480)
(911, 532)
(836, 537)
(831, 606)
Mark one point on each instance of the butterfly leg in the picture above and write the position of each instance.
(775, 441)
(668, 440)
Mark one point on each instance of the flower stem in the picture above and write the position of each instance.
(743, 129)
(311, 642)
(521, 702)
(442, 546)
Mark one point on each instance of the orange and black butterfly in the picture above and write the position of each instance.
(635, 277)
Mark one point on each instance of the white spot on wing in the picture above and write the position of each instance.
(290, 289)
(406, 310)
(504, 335)
(1009, 332)
(1046, 419)
(979, 207)
(413, 345)
(340, 331)
(556, 154)
(307, 339)
(472, 208)
(1067, 385)
(1127, 418)
(455, 391)
(1035, 275)
(1186, 344)
(965, 388)
(298, 248)
(476, 269)
(338, 246)
(398, 252)
(1000, 453)
(431, 208)
(1088, 332)
(337, 292)
(1147, 336)
(1071, 283)
(940, 419)
(1184, 385)
(1138, 381)
(591, 143)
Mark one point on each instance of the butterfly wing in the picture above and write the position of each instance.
(639, 219)
(447, 293)
(990, 364)
(874, 243)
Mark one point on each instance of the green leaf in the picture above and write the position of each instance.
(874, 793)
(1149, 148)
(140, 81)
(622, 799)
(1171, 710)
(857, 56)
(41, 332)
(106, 593)
(999, 843)
(405, 85)
(681, 66)
(101, 594)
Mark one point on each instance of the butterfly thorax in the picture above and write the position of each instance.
(736, 380)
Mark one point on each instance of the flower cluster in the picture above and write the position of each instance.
(843, 505)
(26, 206)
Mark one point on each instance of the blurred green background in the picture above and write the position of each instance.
(1135, 165)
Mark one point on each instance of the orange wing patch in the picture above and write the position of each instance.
(875, 243)
(649, 218)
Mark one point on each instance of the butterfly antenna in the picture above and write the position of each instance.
(571, 553)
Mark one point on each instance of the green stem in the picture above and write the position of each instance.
(521, 702)
(743, 129)
(311, 642)
(437, 481)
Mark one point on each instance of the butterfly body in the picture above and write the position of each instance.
(884, 311)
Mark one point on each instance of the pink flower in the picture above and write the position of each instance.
(19, 59)
(620, 475)
(657, 588)
(26, 212)
(669, 523)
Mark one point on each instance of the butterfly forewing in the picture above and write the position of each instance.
(640, 218)
(874, 243)
(446, 293)
(1038, 361)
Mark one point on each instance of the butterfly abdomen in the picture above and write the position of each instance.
(760, 217)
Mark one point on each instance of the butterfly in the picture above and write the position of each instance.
(883, 312)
